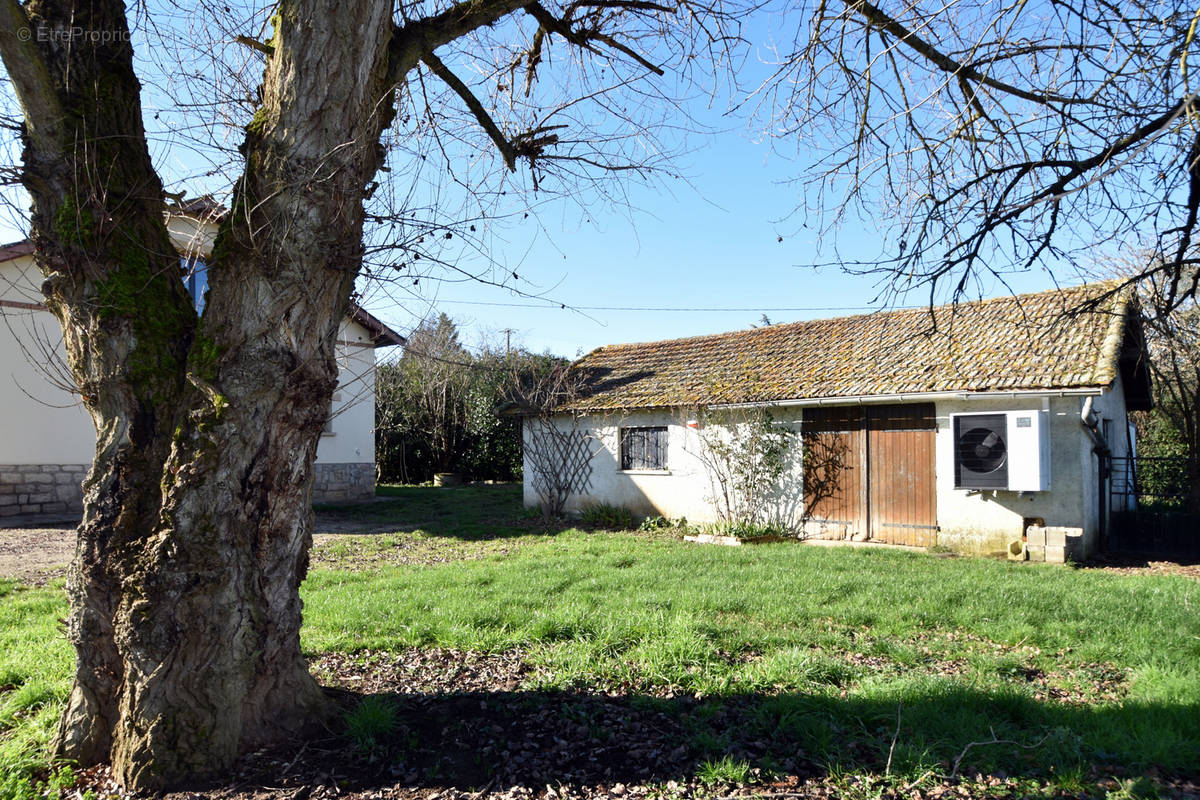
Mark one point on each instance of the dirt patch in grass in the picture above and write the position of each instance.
(38, 555)
(369, 552)
(1142, 565)
(35, 555)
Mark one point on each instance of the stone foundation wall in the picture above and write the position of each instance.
(339, 483)
(57, 488)
(41, 488)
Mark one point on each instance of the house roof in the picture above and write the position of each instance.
(204, 207)
(1080, 337)
(15, 250)
(381, 334)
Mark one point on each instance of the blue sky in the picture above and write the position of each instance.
(715, 243)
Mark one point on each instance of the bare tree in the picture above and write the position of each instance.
(185, 609)
(761, 472)
(989, 137)
(438, 369)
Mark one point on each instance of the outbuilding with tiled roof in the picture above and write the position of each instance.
(965, 425)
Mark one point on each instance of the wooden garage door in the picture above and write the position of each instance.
(835, 481)
(902, 498)
(870, 471)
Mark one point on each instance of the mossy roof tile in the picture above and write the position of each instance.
(1061, 339)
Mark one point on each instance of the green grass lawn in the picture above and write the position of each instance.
(35, 669)
(803, 652)
(819, 647)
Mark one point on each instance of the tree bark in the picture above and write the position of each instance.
(185, 611)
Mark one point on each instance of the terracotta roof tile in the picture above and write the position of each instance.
(1059, 339)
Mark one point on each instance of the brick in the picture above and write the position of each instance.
(41, 497)
(1056, 554)
(1056, 537)
(8, 488)
(9, 499)
(53, 508)
(11, 477)
(1036, 553)
(1035, 536)
(9, 511)
(31, 509)
(38, 477)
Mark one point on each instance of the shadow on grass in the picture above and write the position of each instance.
(470, 740)
(471, 513)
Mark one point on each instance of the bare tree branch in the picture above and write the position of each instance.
(39, 100)
(485, 120)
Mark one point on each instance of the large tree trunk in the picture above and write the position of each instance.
(185, 611)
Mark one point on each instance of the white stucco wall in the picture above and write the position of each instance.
(191, 237)
(683, 490)
(43, 422)
(352, 438)
(969, 520)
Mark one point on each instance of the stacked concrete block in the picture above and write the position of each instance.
(1035, 543)
(41, 488)
(1056, 545)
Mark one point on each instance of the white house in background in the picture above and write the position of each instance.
(963, 426)
(47, 440)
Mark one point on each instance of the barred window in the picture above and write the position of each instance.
(644, 448)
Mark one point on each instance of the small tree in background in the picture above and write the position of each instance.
(436, 408)
(439, 369)
(490, 447)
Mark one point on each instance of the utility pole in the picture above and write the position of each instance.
(508, 332)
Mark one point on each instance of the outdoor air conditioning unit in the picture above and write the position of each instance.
(1007, 450)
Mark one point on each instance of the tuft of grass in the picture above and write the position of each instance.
(603, 515)
(725, 770)
(1141, 788)
(372, 722)
(650, 524)
(739, 529)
